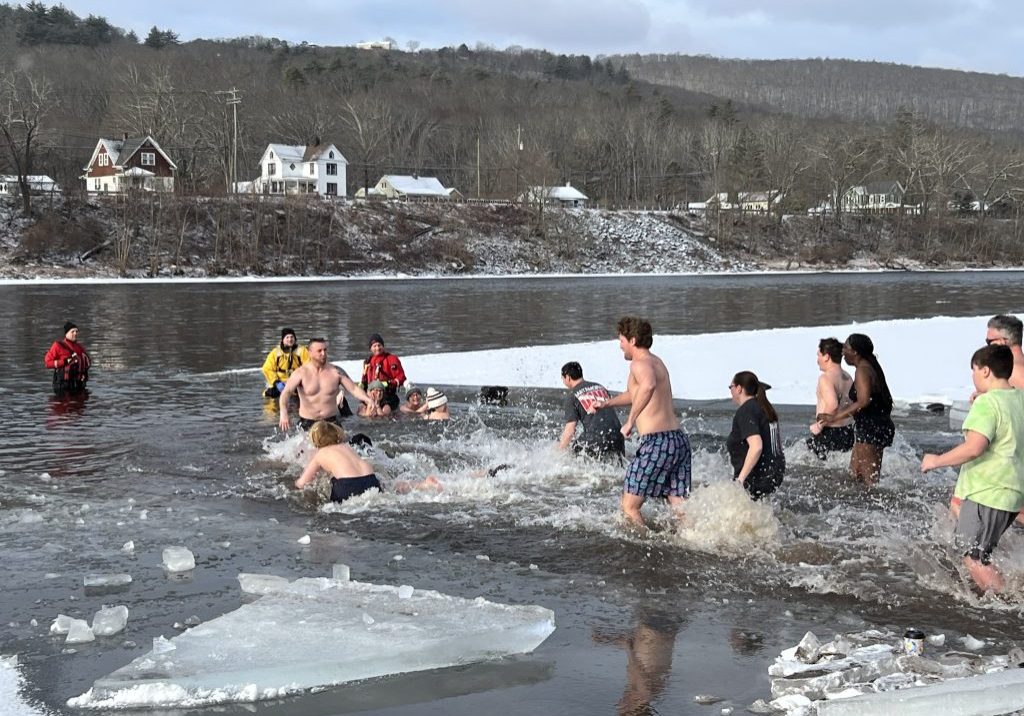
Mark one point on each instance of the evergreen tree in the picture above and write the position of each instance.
(154, 39)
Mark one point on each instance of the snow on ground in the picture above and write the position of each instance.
(11, 703)
(925, 361)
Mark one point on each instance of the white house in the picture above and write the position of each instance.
(758, 202)
(376, 45)
(566, 195)
(716, 202)
(302, 169)
(883, 196)
(37, 184)
(403, 186)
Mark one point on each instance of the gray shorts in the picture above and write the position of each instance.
(979, 528)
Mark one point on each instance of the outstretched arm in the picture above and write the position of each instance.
(349, 385)
(309, 474)
(972, 447)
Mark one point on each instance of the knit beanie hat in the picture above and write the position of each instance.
(375, 338)
(435, 398)
(413, 389)
(68, 326)
(375, 385)
(287, 332)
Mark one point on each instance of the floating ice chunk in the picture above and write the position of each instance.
(405, 591)
(1001, 692)
(261, 583)
(808, 649)
(397, 558)
(483, 558)
(970, 643)
(128, 547)
(341, 572)
(100, 581)
(162, 645)
(313, 634)
(534, 567)
(61, 624)
(33, 622)
(178, 559)
(109, 620)
(936, 639)
(707, 699)
(79, 632)
(143, 514)
(367, 619)
(304, 539)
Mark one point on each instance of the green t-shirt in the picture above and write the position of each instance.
(996, 478)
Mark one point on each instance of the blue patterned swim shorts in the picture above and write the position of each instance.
(661, 466)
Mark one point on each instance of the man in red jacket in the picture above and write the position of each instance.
(382, 366)
(69, 362)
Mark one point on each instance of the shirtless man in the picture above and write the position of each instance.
(350, 474)
(318, 383)
(1008, 331)
(833, 394)
(661, 467)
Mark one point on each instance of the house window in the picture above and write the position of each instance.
(95, 184)
(332, 188)
(271, 155)
(149, 159)
(271, 169)
(312, 168)
(103, 160)
(292, 167)
(332, 170)
(330, 155)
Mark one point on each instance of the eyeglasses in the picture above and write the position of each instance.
(732, 385)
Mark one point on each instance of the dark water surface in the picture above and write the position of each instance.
(171, 447)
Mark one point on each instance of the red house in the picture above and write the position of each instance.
(118, 165)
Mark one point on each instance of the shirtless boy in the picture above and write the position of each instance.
(317, 383)
(661, 467)
(350, 474)
(833, 394)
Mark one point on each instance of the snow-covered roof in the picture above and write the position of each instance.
(32, 178)
(415, 186)
(138, 172)
(558, 193)
(288, 152)
(303, 152)
(121, 150)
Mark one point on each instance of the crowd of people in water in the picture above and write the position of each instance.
(853, 414)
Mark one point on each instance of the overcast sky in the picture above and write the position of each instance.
(982, 35)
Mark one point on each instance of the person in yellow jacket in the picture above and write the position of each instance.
(282, 361)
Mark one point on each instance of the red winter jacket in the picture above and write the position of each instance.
(384, 367)
(60, 351)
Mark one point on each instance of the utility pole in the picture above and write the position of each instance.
(519, 151)
(478, 164)
(233, 99)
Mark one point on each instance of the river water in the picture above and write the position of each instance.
(175, 446)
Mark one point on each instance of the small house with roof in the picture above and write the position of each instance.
(759, 202)
(566, 195)
(37, 184)
(882, 196)
(302, 169)
(403, 186)
(119, 165)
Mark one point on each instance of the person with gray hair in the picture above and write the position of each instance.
(1007, 330)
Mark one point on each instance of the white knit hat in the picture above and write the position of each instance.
(435, 398)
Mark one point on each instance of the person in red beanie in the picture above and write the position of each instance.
(69, 362)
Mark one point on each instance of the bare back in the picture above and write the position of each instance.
(342, 461)
(318, 390)
(658, 415)
(1017, 377)
(834, 393)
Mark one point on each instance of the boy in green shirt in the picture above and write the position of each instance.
(990, 489)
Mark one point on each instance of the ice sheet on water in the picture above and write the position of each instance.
(261, 583)
(11, 682)
(61, 624)
(110, 620)
(313, 634)
(178, 559)
(107, 581)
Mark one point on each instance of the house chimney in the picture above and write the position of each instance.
(569, 184)
(316, 141)
(124, 137)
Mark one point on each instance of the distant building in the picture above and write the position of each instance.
(557, 195)
(883, 196)
(119, 165)
(376, 45)
(300, 169)
(402, 186)
(759, 202)
(715, 202)
(37, 184)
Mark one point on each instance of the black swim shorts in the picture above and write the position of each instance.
(343, 488)
(831, 440)
(307, 423)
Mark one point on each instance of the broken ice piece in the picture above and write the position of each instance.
(304, 539)
(483, 558)
(707, 699)
(79, 632)
(341, 572)
(261, 583)
(178, 559)
(61, 624)
(107, 580)
(936, 639)
(109, 620)
(405, 591)
(397, 558)
(970, 643)
(534, 567)
(808, 649)
(367, 619)
(162, 645)
(128, 547)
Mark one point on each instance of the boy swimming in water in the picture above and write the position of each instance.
(350, 474)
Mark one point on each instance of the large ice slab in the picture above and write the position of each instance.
(317, 633)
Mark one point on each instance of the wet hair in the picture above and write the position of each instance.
(324, 433)
(317, 340)
(750, 385)
(639, 329)
(572, 370)
(998, 359)
(832, 348)
(1009, 326)
(862, 346)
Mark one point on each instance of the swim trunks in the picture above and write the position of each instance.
(661, 466)
(873, 429)
(979, 528)
(831, 440)
(343, 488)
(307, 423)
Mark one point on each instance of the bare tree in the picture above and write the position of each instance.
(844, 157)
(25, 100)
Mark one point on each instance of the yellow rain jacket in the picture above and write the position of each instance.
(280, 364)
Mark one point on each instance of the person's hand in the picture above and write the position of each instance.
(596, 405)
(741, 479)
(929, 462)
(627, 429)
(816, 428)
(284, 423)
(825, 419)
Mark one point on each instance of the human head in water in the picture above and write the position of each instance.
(323, 434)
